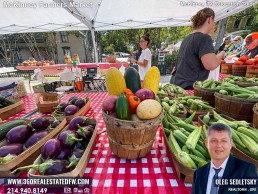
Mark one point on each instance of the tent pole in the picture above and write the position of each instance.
(94, 46)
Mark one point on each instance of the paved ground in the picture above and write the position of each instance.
(163, 79)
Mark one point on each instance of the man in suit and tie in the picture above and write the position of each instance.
(219, 143)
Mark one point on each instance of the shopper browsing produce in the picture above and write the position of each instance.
(197, 55)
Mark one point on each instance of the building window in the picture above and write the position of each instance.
(64, 37)
(237, 23)
(249, 21)
(66, 51)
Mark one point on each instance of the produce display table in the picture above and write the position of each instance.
(81, 65)
(154, 173)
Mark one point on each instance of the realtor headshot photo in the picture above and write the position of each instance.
(222, 165)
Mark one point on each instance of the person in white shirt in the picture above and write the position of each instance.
(223, 165)
(144, 61)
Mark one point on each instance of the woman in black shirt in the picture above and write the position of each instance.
(197, 55)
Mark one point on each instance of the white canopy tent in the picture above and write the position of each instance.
(99, 15)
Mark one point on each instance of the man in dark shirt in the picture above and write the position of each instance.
(196, 55)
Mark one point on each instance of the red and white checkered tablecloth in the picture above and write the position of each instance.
(154, 173)
(29, 105)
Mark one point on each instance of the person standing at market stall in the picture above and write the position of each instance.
(144, 61)
(196, 54)
(223, 165)
(251, 46)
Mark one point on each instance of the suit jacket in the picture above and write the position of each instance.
(235, 169)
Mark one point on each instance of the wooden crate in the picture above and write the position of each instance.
(81, 112)
(79, 170)
(11, 110)
(183, 173)
(28, 156)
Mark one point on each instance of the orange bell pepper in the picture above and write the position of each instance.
(134, 101)
(128, 93)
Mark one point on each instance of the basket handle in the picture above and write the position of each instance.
(37, 98)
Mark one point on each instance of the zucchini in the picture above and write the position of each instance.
(132, 79)
(4, 102)
(122, 107)
(6, 127)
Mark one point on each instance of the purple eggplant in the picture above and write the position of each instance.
(73, 99)
(68, 138)
(14, 149)
(85, 132)
(64, 154)
(80, 120)
(55, 123)
(79, 145)
(40, 124)
(49, 167)
(18, 134)
(34, 138)
(75, 157)
(51, 149)
(59, 167)
(62, 106)
(70, 110)
(80, 103)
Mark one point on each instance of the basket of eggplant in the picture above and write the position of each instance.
(74, 107)
(23, 140)
(68, 154)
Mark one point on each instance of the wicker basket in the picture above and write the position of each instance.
(246, 84)
(237, 108)
(131, 139)
(50, 101)
(206, 94)
(183, 172)
(252, 71)
(239, 70)
(226, 68)
(255, 116)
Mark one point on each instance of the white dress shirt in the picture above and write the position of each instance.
(212, 173)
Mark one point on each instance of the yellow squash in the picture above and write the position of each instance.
(115, 81)
(152, 79)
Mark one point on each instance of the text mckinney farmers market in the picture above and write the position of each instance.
(41, 4)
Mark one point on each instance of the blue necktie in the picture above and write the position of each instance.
(214, 188)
